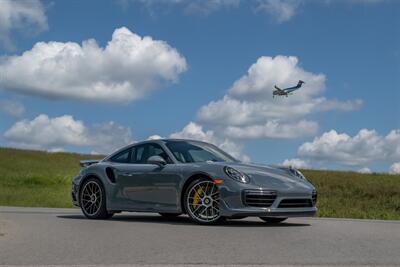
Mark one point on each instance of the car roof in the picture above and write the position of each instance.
(168, 140)
(162, 140)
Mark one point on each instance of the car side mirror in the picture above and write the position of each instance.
(157, 160)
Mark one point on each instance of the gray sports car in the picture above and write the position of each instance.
(175, 176)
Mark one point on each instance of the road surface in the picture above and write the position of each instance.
(39, 236)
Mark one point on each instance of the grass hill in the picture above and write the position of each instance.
(42, 179)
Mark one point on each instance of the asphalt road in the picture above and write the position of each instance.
(64, 237)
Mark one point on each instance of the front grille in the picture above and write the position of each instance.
(296, 203)
(314, 198)
(255, 198)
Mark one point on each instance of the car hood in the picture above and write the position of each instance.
(273, 177)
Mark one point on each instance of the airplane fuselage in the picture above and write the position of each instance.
(286, 91)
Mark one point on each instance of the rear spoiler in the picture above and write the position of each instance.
(86, 163)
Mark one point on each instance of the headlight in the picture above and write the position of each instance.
(297, 173)
(236, 175)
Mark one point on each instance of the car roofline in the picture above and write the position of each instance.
(157, 141)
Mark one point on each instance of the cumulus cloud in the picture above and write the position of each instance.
(365, 147)
(273, 129)
(12, 107)
(28, 15)
(106, 137)
(154, 137)
(54, 134)
(126, 69)
(249, 110)
(395, 168)
(280, 10)
(364, 170)
(296, 163)
(195, 131)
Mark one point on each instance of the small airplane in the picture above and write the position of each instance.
(287, 91)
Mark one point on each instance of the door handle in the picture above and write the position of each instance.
(127, 174)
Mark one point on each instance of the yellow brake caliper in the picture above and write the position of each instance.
(196, 197)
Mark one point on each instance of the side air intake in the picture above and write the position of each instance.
(110, 174)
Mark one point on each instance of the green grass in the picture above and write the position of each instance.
(356, 195)
(36, 178)
(41, 179)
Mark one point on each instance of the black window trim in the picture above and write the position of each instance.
(120, 152)
(135, 146)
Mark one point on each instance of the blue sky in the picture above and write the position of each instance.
(354, 45)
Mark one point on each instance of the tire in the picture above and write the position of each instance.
(272, 219)
(169, 215)
(201, 201)
(92, 200)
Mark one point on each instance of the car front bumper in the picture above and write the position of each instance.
(233, 204)
(267, 212)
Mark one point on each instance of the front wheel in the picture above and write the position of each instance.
(272, 219)
(202, 202)
(92, 200)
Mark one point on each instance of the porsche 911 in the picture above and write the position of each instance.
(175, 176)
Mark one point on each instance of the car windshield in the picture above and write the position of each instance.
(190, 151)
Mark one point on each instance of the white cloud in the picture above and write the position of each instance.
(284, 10)
(126, 69)
(106, 137)
(364, 170)
(296, 163)
(363, 148)
(195, 131)
(154, 137)
(26, 16)
(273, 129)
(249, 110)
(395, 168)
(280, 10)
(54, 134)
(12, 107)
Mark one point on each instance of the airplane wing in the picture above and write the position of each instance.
(279, 89)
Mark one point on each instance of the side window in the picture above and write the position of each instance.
(201, 155)
(156, 150)
(121, 157)
(137, 154)
(145, 151)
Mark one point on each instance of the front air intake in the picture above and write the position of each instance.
(259, 198)
(296, 203)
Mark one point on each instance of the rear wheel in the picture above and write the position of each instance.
(169, 215)
(272, 219)
(92, 200)
(202, 202)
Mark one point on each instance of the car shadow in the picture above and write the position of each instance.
(185, 220)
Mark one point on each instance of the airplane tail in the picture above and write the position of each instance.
(276, 87)
(299, 84)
